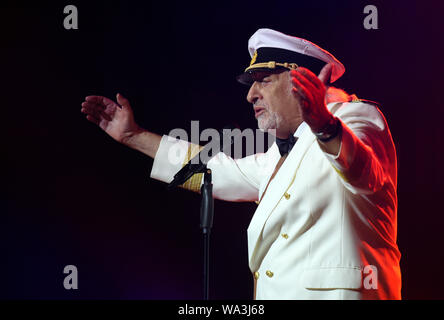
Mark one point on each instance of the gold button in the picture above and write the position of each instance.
(269, 273)
(256, 275)
(287, 195)
(285, 236)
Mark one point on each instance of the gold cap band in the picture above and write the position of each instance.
(272, 65)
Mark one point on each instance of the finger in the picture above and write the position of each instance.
(96, 113)
(325, 74)
(94, 99)
(309, 75)
(100, 109)
(92, 119)
(100, 100)
(91, 108)
(90, 113)
(302, 101)
(122, 101)
(303, 81)
(106, 113)
(93, 105)
(300, 97)
(298, 88)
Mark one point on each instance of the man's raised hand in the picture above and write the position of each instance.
(116, 119)
(310, 90)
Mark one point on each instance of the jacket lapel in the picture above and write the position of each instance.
(257, 244)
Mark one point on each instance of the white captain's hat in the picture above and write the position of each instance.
(274, 51)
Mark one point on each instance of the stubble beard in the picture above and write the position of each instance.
(269, 121)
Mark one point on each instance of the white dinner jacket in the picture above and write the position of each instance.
(326, 225)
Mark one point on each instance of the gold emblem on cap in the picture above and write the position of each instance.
(253, 60)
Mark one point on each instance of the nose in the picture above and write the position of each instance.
(254, 93)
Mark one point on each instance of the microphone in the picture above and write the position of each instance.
(196, 165)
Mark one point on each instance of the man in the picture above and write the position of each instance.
(325, 226)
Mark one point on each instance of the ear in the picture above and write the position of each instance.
(325, 74)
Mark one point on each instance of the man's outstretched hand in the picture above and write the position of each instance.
(116, 119)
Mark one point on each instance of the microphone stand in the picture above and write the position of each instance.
(207, 203)
(206, 223)
(206, 218)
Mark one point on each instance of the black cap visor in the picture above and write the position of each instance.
(257, 74)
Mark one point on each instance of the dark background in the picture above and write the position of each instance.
(72, 195)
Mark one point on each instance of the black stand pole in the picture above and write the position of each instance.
(207, 204)
(206, 223)
(206, 211)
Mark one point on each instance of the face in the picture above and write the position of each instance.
(274, 104)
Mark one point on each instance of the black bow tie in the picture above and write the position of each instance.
(285, 145)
